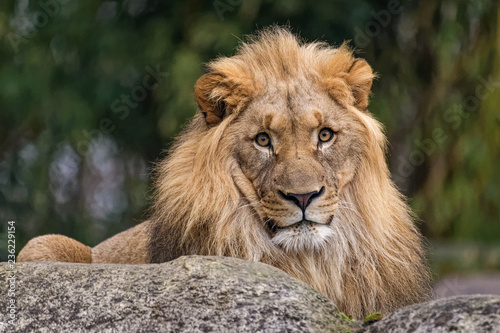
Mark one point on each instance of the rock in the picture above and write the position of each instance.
(190, 294)
(205, 294)
(477, 313)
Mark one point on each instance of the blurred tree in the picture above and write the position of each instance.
(91, 92)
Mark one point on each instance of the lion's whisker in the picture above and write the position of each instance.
(250, 204)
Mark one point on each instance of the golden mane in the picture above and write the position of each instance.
(275, 56)
(377, 260)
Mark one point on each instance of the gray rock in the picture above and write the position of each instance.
(205, 294)
(478, 313)
(190, 294)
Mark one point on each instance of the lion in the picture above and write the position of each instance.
(285, 165)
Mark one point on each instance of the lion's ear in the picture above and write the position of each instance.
(219, 95)
(360, 79)
(348, 79)
(207, 92)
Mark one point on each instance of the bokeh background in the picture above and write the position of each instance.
(92, 92)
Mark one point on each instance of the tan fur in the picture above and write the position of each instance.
(219, 193)
(55, 248)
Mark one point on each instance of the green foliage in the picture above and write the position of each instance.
(346, 317)
(80, 129)
(373, 318)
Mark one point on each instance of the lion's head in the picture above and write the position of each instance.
(285, 165)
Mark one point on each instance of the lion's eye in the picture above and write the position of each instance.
(325, 135)
(263, 140)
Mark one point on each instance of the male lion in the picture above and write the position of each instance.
(284, 165)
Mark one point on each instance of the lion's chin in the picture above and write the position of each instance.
(303, 236)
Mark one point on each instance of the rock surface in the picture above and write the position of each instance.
(190, 294)
(205, 294)
(467, 314)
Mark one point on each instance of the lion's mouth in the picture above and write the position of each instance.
(304, 235)
(274, 228)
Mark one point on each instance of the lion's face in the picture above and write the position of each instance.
(292, 121)
(298, 148)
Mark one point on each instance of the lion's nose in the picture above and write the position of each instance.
(302, 200)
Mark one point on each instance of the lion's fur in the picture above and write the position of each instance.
(55, 248)
(205, 204)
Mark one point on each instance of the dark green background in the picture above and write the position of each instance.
(75, 159)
